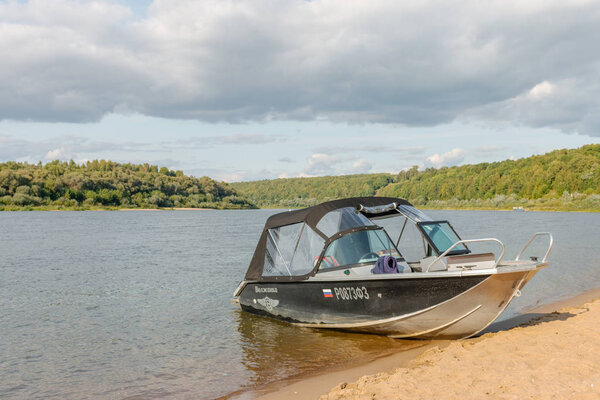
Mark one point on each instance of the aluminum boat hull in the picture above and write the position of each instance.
(439, 306)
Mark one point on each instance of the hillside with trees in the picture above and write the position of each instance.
(106, 184)
(305, 192)
(559, 180)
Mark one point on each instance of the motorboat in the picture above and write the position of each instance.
(318, 267)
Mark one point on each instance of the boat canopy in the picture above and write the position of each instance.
(292, 241)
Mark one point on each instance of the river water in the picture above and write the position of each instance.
(137, 305)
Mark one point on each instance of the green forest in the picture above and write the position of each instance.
(305, 192)
(108, 185)
(559, 180)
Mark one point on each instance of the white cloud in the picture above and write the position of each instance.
(570, 105)
(382, 61)
(370, 148)
(320, 164)
(64, 147)
(230, 176)
(361, 166)
(56, 154)
(541, 90)
(450, 158)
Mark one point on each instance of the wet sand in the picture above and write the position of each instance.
(554, 355)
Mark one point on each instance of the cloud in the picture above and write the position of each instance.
(202, 142)
(320, 164)
(361, 166)
(453, 157)
(570, 105)
(244, 138)
(229, 175)
(541, 90)
(386, 149)
(64, 147)
(57, 154)
(382, 61)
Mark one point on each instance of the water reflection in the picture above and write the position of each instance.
(117, 304)
(274, 350)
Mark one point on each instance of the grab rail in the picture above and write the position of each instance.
(469, 241)
(531, 240)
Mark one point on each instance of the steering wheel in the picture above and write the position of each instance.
(326, 262)
(369, 254)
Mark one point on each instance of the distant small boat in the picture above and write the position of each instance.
(518, 209)
(320, 267)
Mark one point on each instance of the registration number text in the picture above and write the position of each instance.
(351, 293)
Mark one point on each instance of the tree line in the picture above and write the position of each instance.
(306, 192)
(107, 184)
(562, 179)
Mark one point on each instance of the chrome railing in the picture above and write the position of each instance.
(469, 241)
(531, 240)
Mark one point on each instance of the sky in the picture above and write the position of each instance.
(261, 89)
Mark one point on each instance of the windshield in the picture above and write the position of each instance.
(342, 219)
(413, 213)
(442, 237)
(359, 248)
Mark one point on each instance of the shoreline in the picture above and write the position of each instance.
(166, 209)
(554, 356)
(125, 209)
(311, 385)
(25, 209)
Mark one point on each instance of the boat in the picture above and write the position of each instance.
(318, 267)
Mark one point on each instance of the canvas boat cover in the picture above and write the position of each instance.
(311, 217)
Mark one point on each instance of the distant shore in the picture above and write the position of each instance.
(554, 355)
(424, 207)
(112, 209)
(168, 209)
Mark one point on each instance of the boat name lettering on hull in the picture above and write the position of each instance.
(351, 293)
(265, 289)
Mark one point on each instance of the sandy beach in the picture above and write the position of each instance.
(553, 356)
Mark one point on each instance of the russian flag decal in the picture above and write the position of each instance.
(327, 293)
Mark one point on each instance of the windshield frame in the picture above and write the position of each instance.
(454, 252)
(338, 235)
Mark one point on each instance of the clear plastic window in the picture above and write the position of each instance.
(412, 245)
(291, 250)
(357, 248)
(413, 213)
(341, 220)
(443, 237)
(307, 252)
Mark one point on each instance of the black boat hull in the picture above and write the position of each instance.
(423, 307)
